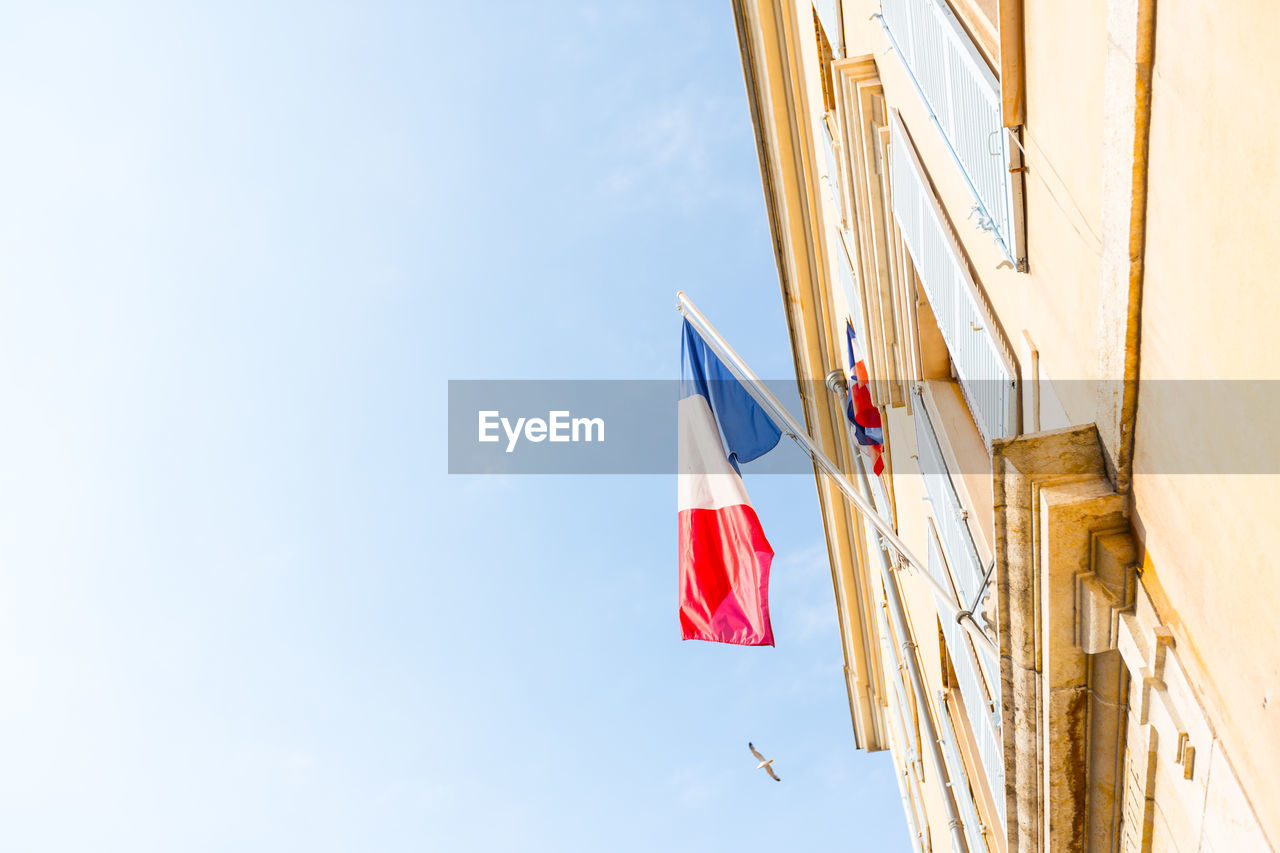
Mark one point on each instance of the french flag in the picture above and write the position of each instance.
(862, 412)
(724, 556)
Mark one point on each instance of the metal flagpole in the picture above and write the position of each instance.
(792, 429)
(765, 398)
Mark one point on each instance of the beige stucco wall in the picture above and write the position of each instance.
(1208, 313)
(1056, 302)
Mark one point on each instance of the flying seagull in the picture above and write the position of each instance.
(766, 764)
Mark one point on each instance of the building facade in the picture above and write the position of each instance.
(1049, 227)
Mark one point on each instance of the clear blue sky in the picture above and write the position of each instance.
(243, 607)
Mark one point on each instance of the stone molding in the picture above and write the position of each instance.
(1064, 565)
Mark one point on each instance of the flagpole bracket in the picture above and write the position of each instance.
(836, 382)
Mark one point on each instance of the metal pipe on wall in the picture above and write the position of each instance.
(910, 654)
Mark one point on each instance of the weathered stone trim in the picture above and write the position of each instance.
(1062, 554)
